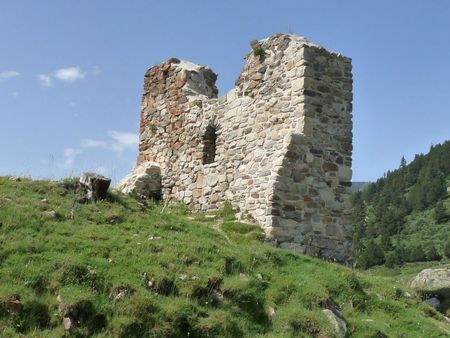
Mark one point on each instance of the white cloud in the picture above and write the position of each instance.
(90, 143)
(8, 75)
(69, 156)
(70, 74)
(45, 80)
(123, 141)
(101, 170)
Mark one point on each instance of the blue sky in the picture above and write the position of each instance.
(71, 72)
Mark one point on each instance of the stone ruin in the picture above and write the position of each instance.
(278, 146)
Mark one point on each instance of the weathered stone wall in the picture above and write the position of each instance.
(283, 141)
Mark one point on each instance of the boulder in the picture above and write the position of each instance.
(96, 185)
(432, 280)
(50, 214)
(144, 180)
(337, 321)
(433, 302)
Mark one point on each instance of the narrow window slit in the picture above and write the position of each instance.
(209, 144)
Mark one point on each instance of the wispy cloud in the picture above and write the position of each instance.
(91, 143)
(69, 156)
(102, 171)
(8, 75)
(123, 141)
(70, 74)
(118, 142)
(45, 80)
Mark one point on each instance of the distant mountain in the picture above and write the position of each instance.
(405, 215)
(358, 186)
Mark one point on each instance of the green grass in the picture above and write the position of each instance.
(124, 270)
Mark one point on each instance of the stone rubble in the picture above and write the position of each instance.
(144, 180)
(96, 185)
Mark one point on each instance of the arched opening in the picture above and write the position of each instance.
(209, 144)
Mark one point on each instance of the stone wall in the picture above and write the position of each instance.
(278, 146)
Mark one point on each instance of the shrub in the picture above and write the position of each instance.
(258, 51)
(392, 259)
(440, 213)
(432, 254)
(447, 248)
(417, 254)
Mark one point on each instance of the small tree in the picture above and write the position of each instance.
(371, 255)
(417, 254)
(432, 254)
(447, 248)
(392, 259)
(440, 213)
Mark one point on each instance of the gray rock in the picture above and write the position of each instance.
(96, 185)
(50, 214)
(67, 323)
(433, 302)
(145, 181)
(337, 320)
(406, 294)
(432, 280)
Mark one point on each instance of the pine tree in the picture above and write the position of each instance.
(371, 255)
(403, 163)
(440, 213)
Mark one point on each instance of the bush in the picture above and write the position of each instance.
(432, 254)
(417, 254)
(440, 213)
(371, 255)
(447, 248)
(392, 259)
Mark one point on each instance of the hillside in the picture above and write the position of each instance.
(358, 186)
(405, 215)
(121, 268)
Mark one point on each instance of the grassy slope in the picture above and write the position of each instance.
(160, 272)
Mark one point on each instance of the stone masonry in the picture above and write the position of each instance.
(278, 146)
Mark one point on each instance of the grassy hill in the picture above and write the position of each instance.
(405, 215)
(121, 268)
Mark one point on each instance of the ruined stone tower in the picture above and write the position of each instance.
(278, 146)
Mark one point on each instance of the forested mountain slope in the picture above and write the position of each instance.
(404, 216)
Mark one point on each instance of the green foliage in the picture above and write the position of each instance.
(417, 254)
(228, 213)
(441, 215)
(392, 259)
(402, 209)
(371, 255)
(153, 128)
(117, 269)
(258, 51)
(447, 248)
(432, 254)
